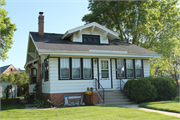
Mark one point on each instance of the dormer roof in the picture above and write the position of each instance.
(110, 34)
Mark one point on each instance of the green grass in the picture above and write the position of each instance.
(15, 103)
(88, 112)
(170, 105)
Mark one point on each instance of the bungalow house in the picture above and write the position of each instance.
(85, 56)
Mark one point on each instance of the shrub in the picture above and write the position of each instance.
(30, 98)
(151, 88)
(128, 84)
(41, 103)
(166, 88)
(142, 91)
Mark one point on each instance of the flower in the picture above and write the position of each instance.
(88, 92)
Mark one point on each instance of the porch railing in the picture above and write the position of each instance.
(128, 94)
(101, 93)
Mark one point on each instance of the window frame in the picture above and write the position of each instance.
(130, 69)
(142, 73)
(72, 68)
(90, 68)
(60, 68)
(32, 76)
(46, 70)
(117, 68)
(91, 36)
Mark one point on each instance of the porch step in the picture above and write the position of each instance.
(116, 97)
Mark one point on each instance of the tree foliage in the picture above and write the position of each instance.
(4, 77)
(7, 31)
(154, 25)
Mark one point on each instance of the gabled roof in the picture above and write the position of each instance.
(4, 68)
(93, 25)
(54, 42)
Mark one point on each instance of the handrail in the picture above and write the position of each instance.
(96, 87)
(129, 89)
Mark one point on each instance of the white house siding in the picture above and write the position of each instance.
(146, 68)
(31, 88)
(54, 85)
(65, 86)
(75, 38)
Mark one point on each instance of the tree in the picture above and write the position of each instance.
(7, 31)
(11, 78)
(4, 77)
(154, 25)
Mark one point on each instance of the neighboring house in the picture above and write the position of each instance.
(12, 91)
(8, 69)
(66, 64)
(20, 70)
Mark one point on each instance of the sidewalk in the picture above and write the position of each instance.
(135, 106)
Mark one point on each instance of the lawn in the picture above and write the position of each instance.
(10, 103)
(88, 112)
(170, 105)
(12, 109)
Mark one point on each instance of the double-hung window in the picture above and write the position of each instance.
(129, 68)
(120, 74)
(87, 72)
(138, 67)
(46, 69)
(64, 68)
(76, 68)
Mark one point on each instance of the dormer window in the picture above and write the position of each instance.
(92, 39)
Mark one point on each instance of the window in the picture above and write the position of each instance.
(120, 74)
(33, 75)
(129, 68)
(87, 72)
(93, 39)
(104, 69)
(76, 68)
(46, 69)
(64, 68)
(42, 70)
(138, 67)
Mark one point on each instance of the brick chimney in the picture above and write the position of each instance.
(41, 24)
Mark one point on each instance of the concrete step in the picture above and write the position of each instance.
(114, 98)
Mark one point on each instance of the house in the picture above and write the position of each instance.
(8, 69)
(66, 64)
(12, 91)
(20, 70)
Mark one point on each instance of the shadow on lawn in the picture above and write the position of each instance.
(11, 103)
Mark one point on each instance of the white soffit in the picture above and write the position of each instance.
(93, 24)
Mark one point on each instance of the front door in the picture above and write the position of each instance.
(104, 73)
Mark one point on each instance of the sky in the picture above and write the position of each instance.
(59, 16)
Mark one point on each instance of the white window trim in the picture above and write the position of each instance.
(117, 68)
(72, 68)
(139, 69)
(89, 68)
(60, 70)
(129, 69)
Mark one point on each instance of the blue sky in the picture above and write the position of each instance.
(60, 16)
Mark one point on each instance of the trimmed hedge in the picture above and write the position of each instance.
(151, 89)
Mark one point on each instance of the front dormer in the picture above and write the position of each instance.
(92, 33)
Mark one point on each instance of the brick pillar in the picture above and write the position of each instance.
(94, 98)
(41, 24)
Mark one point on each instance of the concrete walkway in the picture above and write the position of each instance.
(28, 106)
(135, 106)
